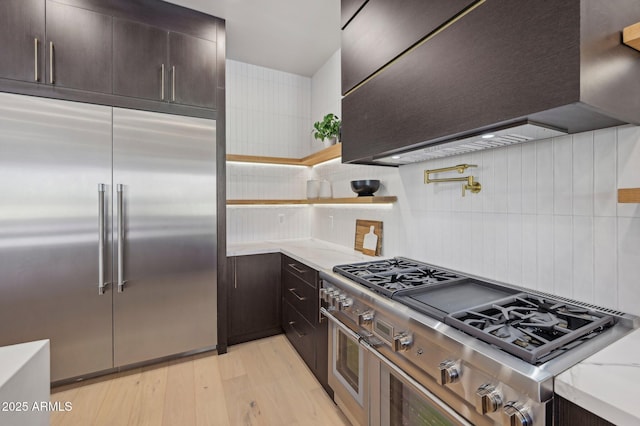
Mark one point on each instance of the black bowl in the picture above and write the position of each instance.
(365, 188)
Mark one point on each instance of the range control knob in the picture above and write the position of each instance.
(332, 297)
(448, 372)
(488, 399)
(344, 302)
(517, 415)
(323, 293)
(402, 342)
(365, 318)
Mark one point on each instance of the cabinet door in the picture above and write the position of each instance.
(166, 247)
(139, 60)
(82, 47)
(21, 39)
(254, 297)
(54, 154)
(383, 29)
(193, 71)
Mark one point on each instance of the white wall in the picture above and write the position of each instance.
(325, 93)
(547, 217)
(269, 114)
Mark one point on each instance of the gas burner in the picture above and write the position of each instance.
(391, 275)
(529, 326)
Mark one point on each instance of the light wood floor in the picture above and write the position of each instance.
(263, 382)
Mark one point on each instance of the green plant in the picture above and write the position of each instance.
(328, 128)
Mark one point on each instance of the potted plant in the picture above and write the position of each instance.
(327, 130)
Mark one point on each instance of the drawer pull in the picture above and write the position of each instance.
(293, 291)
(292, 325)
(300, 271)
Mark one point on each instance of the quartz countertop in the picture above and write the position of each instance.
(318, 254)
(606, 383)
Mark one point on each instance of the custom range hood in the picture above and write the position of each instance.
(517, 69)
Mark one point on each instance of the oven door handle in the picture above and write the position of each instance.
(420, 388)
(340, 325)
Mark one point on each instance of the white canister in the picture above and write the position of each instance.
(325, 189)
(313, 189)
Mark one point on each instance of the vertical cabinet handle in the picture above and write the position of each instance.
(35, 59)
(101, 283)
(162, 82)
(173, 83)
(120, 208)
(235, 272)
(51, 79)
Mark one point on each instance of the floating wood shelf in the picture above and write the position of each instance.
(629, 195)
(631, 36)
(352, 200)
(334, 151)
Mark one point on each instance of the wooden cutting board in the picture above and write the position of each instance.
(365, 240)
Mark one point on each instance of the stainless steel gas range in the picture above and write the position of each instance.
(413, 344)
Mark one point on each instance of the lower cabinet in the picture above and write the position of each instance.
(566, 413)
(254, 298)
(304, 327)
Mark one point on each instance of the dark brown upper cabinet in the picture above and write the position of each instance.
(348, 9)
(561, 64)
(193, 71)
(384, 29)
(22, 40)
(79, 46)
(140, 60)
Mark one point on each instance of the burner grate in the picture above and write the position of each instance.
(391, 275)
(529, 326)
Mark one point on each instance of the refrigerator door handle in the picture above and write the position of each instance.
(101, 282)
(121, 281)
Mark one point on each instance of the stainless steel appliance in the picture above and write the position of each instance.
(107, 232)
(449, 348)
(348, 372)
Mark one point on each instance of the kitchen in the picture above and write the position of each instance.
(547, 217)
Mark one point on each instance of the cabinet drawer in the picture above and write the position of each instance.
(300, 295)
(300, 270)
(300, 333)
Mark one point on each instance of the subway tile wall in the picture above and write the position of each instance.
(268, 114)
(268, 111)
(547, 217)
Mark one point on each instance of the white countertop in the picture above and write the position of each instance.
(607, 382)
(318, 254)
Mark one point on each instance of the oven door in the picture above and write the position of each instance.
(399, 400)
(348, 371)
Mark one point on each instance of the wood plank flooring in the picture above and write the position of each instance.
(263, 382)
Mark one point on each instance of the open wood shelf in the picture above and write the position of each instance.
(629, 195)
(352, 200)
(334, 151)
(631, 36)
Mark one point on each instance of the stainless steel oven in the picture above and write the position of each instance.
(348, 371)
(397, 399)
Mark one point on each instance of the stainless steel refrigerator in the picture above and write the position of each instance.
(107, 232)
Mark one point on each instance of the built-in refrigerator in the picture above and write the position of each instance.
(107, 233)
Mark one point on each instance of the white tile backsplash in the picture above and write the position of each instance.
(547, 217)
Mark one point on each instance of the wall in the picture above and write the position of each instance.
(325, 93)
(268, 113)
(547, 217)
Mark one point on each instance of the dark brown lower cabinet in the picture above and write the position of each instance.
(254, 298)
(566, 413)
(307, 331)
